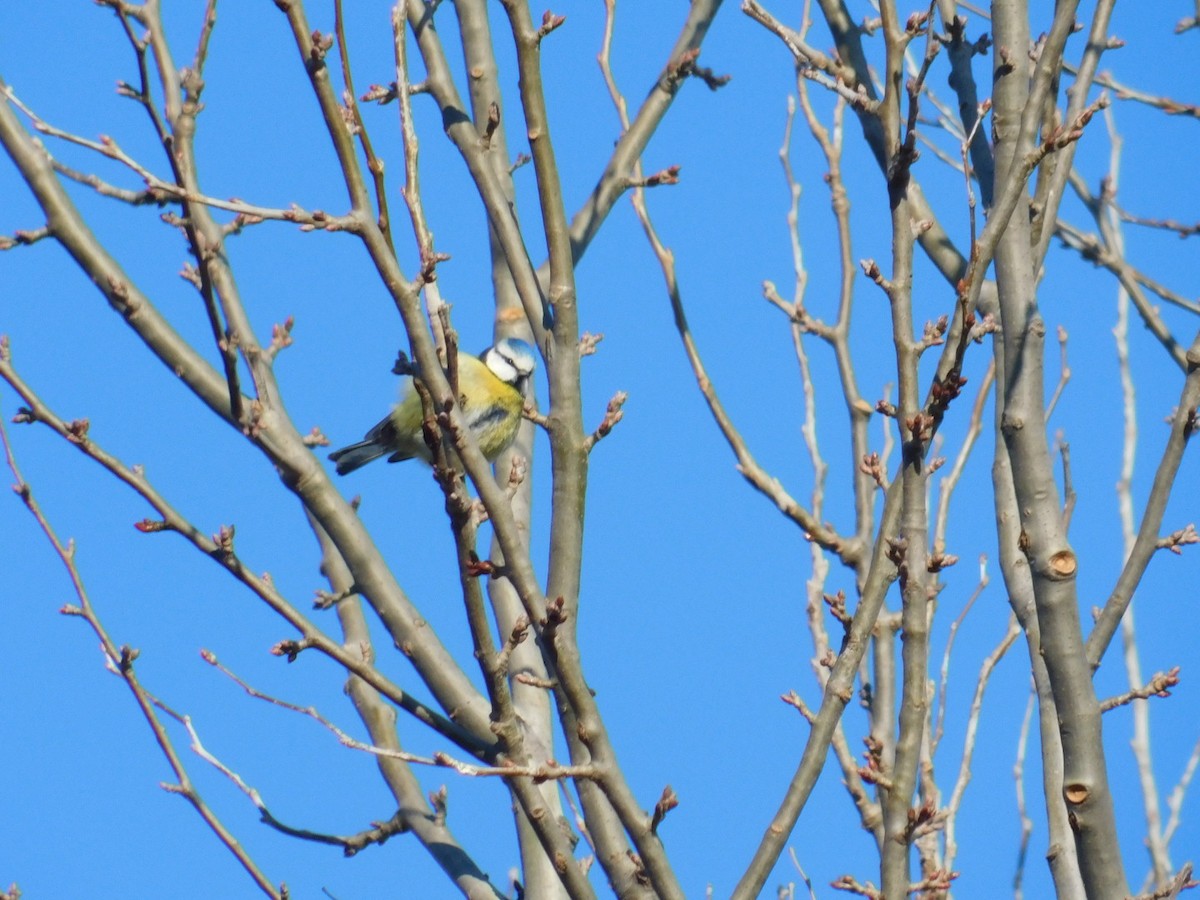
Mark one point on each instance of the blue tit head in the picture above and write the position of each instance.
(511, 360)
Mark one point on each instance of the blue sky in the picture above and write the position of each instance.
(692, 620)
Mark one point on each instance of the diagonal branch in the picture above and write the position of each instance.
(172, 520)
(119, 660)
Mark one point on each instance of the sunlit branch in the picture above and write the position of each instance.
(1157, 101)
(1115, 262)
(636, 133)
(1159, 685)
(350, 845)
(520, 660)
(838, 693)
(24, 238)
(950, 480)
(1023, 90)
(1064, 373)
(799, 325)
(1050, 195)
(171, 520)
(350, 99)
(120, 661)
(908, 547)
(1140, 744)
(848, 551)
(532, 704)
(858, 410)
(493, 192)
(939, 725)
(964, 770)
(1091, 248)
(1064, 869)
(569, 463)
(1179, 792)
(747, 465)
(1147, 542)
(1022, 812)
(412, 184)
(545, 771)
(413, 808)
(161, 191)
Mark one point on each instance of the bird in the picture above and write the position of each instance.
(491, 396)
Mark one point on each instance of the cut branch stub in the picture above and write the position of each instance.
(1062, 565)
(1076, 793)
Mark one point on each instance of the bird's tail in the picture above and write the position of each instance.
(357, 455)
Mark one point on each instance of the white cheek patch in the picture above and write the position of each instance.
(502, 367)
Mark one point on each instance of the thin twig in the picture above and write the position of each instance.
(24, 238)
(162, 189)
(964, 770)
(1179, 792)
(119, 660)
(1157, 101)
(803, 875)
(350, 844)
(543, 772)
(350, 99)
(1160, 860)
(1091, 248)
(1158, 686)
(1115, 262)
(747, 465)
(1064, 373)
(171, 520)
(800, 324)
(951, 479)
(943, 682)
(1026, 823)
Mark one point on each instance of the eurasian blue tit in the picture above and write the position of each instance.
(491, 398)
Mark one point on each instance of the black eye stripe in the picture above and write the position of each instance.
(521, 364)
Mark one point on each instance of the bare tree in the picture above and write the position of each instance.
(975, 183)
